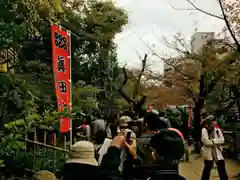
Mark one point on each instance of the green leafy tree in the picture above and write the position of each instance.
(95, 58)
(21, 22)
(27, 94)
(84, 97)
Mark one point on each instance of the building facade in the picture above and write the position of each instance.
(200, 39)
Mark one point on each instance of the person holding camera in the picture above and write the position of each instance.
(167, 150)
(121, 129)
(127, 158)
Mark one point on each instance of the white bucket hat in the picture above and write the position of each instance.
(83, 153)
(45, 175)
(124, 120)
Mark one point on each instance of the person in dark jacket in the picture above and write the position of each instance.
(100, 136)
(109, 169)
(153, 124)
(168, 148)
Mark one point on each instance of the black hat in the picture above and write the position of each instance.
(207, 120)
(168, 144)
(151, 115)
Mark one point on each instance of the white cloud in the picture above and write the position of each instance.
(155, 18)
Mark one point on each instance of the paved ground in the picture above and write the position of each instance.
(192, 170)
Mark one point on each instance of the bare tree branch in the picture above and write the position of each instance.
(137, 104)
(140, 76)
(229, 26)
(169, 45)
(121, 91)
(183, 9)
(198, 9)
(162, 58)
(216, 16)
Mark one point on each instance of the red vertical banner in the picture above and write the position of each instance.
(61, 70)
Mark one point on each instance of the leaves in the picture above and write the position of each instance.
(84, 97)
(104, 19)
(27, 93)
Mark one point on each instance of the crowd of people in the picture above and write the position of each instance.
(119, 151)
(122, 150)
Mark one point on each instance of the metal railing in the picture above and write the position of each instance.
(46, 153)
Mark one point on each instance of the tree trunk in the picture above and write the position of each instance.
(197, 127)
(136, 104)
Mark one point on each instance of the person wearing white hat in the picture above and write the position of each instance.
(81, 163)
(44, 175)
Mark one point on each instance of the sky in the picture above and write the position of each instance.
(150, 21)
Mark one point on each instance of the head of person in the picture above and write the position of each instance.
(113, 118)
(82, 152)
(81, 162)
(97, 114)
(105, 116)
(214, 122)
(209, 122)
(151, 119)
(88, 119)
(124, 122)
(162, 114)
(168, 147)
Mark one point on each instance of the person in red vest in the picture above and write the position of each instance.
(84, 130)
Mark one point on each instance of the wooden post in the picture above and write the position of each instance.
(65, 145)
(44, 148)
(54, 151)
(34, 149)
(25, 144)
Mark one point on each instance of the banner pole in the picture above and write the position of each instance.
(70, 80)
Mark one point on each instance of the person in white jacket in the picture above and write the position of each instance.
(213, 139)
